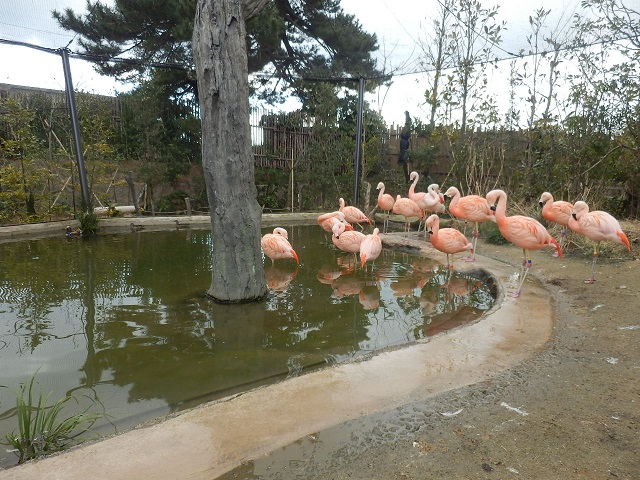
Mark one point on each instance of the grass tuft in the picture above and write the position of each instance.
(41, 430)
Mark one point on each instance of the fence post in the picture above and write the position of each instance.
(188, 202)
(358, 153)
(129, 178)
(73, 113)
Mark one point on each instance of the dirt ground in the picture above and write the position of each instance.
(572, 411)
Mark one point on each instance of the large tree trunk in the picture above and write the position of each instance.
(219, 52)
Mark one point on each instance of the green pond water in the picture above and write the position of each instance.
(121, 322)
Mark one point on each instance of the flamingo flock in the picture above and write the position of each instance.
(524, 232)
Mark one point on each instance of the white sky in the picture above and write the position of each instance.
(399, 25)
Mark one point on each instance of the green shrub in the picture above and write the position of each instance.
(492, 234)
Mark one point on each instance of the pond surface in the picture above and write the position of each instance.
(121, 322)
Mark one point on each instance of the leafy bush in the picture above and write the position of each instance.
(174, 202)
(492, 234)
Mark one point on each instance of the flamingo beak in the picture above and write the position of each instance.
(493, 208)
(574, 216)
(541, 204)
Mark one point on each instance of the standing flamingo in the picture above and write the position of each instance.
(385, 202)
(347, 240)
(447, 240)
(558, 212)
(429, 201)
(353, 214)
(276, 245)
(328, 220)
(472, 208)
(524, 232)
(370, 247)
(597, 226)
(408, 209)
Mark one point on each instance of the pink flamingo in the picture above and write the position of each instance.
(447, 240)
(353, 214)
(558, 212)
(597, 226)
(429, 201)
(370, 247)
(385, 202)
(408, 209)
(328, 220)
(524, 232)
(472, 208)
(347, 240)
(276, 245)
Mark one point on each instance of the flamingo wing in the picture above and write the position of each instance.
(370, 248)
(473, 208)
(450, 240)
(560, 212)
(277, 247)
(347, 240)
(600, 226)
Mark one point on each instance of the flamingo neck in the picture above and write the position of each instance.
(454, 200)
(412, 188)
(501, 209)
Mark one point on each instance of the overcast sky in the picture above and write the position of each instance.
(399, 25)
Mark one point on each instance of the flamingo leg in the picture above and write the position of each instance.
(563, 235)
(448, 276)
(593, 266)
(449, 264)
(526, 265)
(475, 235)
(407, 228)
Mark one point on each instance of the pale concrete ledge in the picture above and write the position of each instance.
(207, 441)
(124, 224)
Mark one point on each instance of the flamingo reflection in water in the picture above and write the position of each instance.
(369, 296)
(407, 286)
(448, 306)
(347, 285)
(328, 273)
(279, 278)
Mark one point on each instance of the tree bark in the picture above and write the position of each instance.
(219, 52)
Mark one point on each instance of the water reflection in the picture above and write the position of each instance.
(123, 319)
(280, 276)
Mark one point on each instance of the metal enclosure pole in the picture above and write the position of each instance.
(71, 101)
(358, 154)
